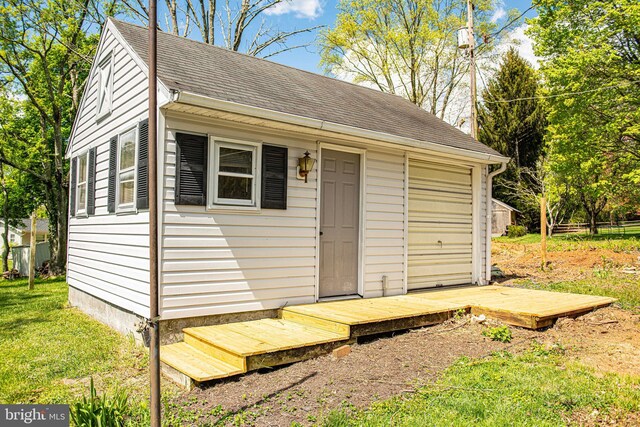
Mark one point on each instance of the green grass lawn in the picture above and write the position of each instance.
(605, 280)
(566, 242)
(49, 350)
(539, 388)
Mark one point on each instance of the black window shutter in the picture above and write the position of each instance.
(142, 191)
(72, 186)
(91, 182)
(274, 177)
(113, 158)
(191, 169)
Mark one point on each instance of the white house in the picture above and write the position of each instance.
(20, 235)
(396, 200)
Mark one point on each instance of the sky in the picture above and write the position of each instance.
(308, 13)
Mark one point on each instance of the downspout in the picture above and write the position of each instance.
(502, 168)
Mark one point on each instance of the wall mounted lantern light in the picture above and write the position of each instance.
(305, 166)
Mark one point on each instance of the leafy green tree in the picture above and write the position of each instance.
(511, 120)
(45, 55)
(591, 65)
(405, 47)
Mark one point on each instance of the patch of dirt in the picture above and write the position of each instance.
(607, 340)
(376, 370)
(595, 418)
(524, 261)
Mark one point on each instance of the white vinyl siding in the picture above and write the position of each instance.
(384, 222)
(440, 225)
(216, 262)
(108, 254)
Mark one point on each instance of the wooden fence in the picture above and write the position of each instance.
(620, 227)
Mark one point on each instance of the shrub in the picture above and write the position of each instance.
(100, 411)
(499, 333)
(516, 231)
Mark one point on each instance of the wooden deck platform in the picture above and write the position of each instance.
(305, 331)
(526, 308)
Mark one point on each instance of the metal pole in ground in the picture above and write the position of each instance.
(154, 332)
(32, 252)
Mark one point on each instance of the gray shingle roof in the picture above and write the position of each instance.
(191, 66)
(42, 225)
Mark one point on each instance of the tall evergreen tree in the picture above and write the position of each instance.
(511, 120)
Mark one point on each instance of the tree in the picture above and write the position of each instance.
(405, 47)
(591, 65)
(592, 49)
(511, 120)
(20, 196)
(45, 56)
(241, 24)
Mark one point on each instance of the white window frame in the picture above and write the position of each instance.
(107, 61)
(127, 207)
(80, 212)
(215, 202)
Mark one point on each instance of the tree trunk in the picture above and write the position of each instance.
(58, 227)
(593, 226)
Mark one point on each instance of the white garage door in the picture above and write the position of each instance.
(440, 225)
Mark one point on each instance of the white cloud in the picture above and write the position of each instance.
(523, 43)
(301, 8)
(500, 13)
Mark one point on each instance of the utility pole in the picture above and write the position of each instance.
(472, 71)
(154, 329)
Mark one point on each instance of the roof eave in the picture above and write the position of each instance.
(189, 98)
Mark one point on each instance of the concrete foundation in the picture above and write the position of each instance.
(115, 317)
(171, 330)
(128, 323)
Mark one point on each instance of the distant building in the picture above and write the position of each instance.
(21, 235)
(502, 216)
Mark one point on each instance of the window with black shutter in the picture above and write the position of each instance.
(91, 183)
(113, 162)
(191, 169)
(142, 188)
(72, 186)
(274, 177)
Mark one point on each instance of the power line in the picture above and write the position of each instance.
(504, 27)
(558, 95)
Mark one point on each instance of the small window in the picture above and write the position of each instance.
(126, 170)
(12, 238)
(105, 87)
(235, 167)
(81, 187)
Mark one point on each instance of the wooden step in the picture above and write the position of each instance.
(214, 351)
(374, 315)
(316, 322)
(196, 364)
(263, 336)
